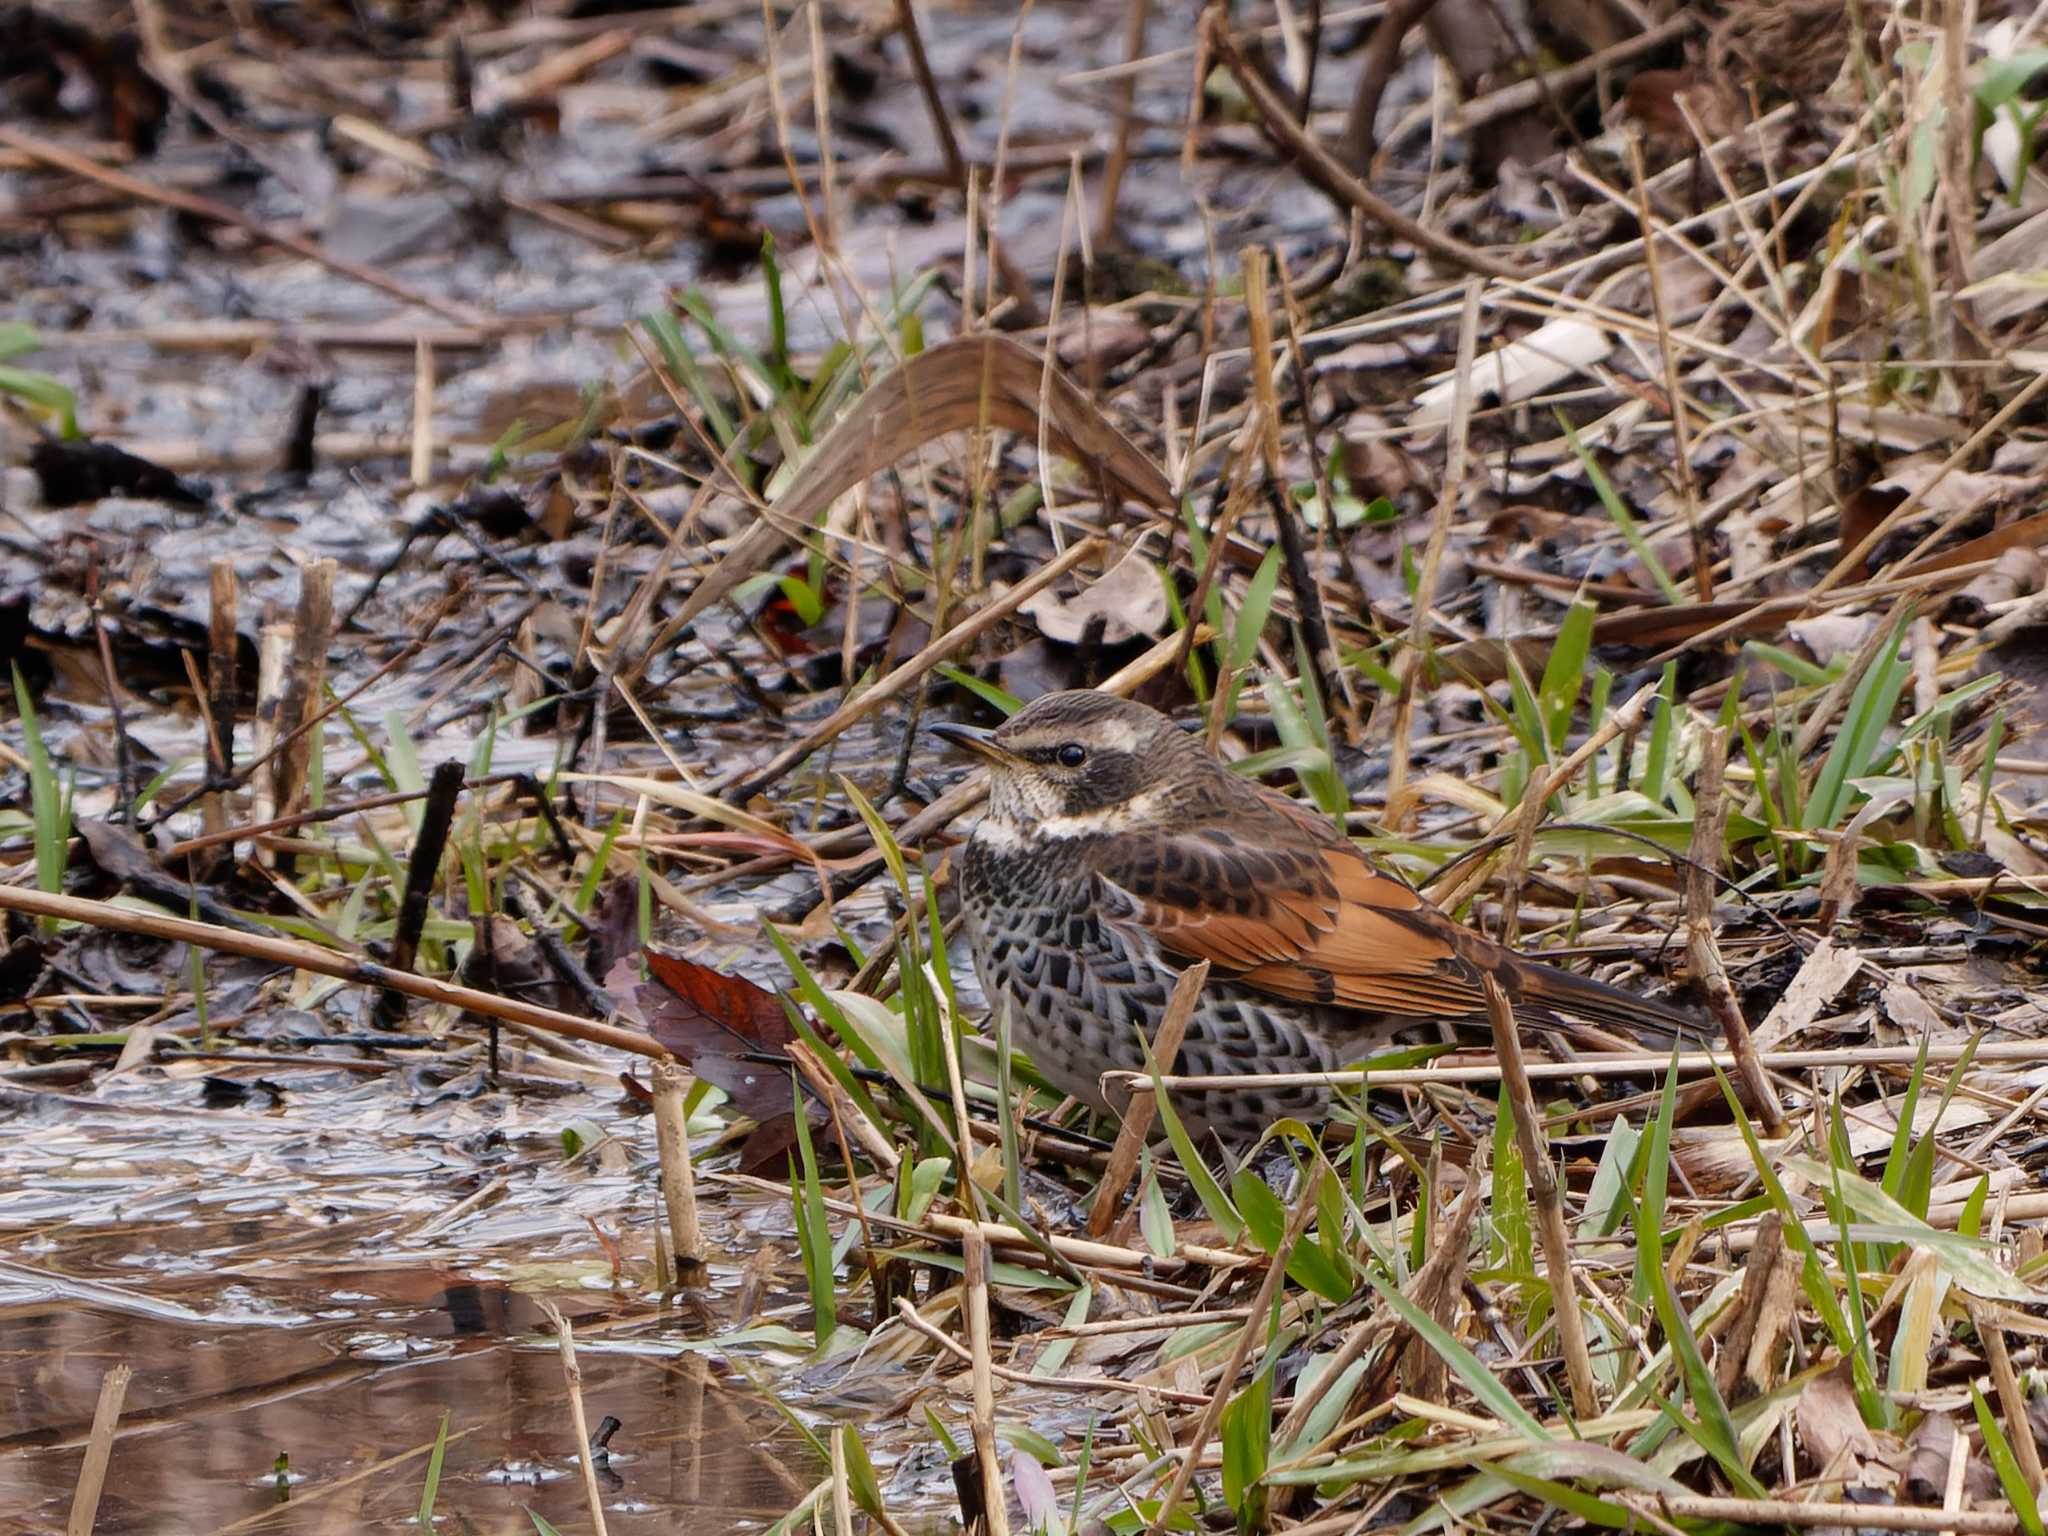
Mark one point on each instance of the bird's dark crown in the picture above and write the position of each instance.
(1082, 752)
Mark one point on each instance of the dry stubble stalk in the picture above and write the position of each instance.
(678, 1174)
(1710, 816)
(572, 1382)
(974, 1252)
(1543, 1192)
(1139, 1113)
(324, 962)
(99, 1451)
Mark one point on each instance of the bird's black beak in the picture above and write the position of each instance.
(975, 739)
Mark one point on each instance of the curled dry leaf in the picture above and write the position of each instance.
(954, 387)
(1129, 599)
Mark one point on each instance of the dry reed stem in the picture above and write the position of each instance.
(99, 1451)
(1205, 1427)
(1255, 457)
(572, 1382)
(1514, 869)
(422, 413)
(880, 1151)
(842, 1484)
(223, 663)
(1410, 663)
(2012, 1398)
(1136, 13)
(1321, 167)
(1142, 1108)
(1521, 95)
(1627, 718)
(1877, 1517)
(273, 664)
(1082, 1252)
(917, 1322)
(928, 91)
(276, 745)
(963, 1123)
(678, 1175)
(1543, 1191)
(1595, 1065)
(303, 956)
(305, 682)
(974, 1254)
(1710, 818)
(220, 213)
(1681, 433)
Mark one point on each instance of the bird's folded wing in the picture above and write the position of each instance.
(1313, 923)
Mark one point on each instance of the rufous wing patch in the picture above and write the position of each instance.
(1315, 924)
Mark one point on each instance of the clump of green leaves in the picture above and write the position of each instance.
(38, 390)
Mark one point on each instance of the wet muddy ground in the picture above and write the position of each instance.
(314, 1233)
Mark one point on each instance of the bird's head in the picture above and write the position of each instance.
(1079, 759)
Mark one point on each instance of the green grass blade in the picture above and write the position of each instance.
(1247, 1430)
(1617, 509)
(682, 362)
(432, 1489)
(1657, 761)
(1214, 1201)
(49, 806)
(45, 394)
(2025, 1503)
(813, 1230)
(1466, 1366)
(1858, 747)
(1564, 675)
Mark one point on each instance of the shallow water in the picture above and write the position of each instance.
(302, 1297)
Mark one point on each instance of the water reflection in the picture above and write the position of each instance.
(322, 1285)
(347, 1384)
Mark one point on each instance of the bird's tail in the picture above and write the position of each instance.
(1547, 987)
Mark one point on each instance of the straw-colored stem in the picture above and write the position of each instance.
(325, 962)
(1205, 1427)
(1140, 1112)
(1543, 1193)
(99, 1451)
(974, 1252)
(1710, 816)
(678, 1175)
(572, 1382)
(1409, 663)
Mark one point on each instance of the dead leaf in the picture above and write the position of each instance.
(1832, 635)
(1820, 981)
(1129, 599)
(1930, 1448)
(1829, 1420)
(952, 387)
(728, 1030)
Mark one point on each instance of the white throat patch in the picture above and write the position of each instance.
(1005, 831)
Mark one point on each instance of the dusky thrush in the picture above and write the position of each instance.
(1115, 851)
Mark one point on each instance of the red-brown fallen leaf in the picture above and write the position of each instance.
(722, 1026)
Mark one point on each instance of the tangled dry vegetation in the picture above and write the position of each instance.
(1596, 451)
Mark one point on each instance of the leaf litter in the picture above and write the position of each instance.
(1601, 463)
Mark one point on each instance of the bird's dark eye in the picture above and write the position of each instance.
(1072, 755)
